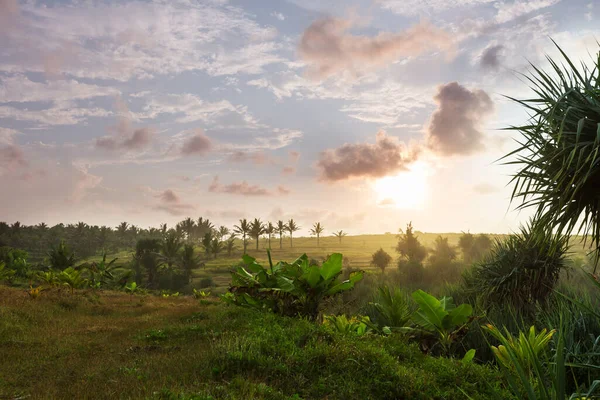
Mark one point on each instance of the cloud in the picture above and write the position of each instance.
(244, 189)
(9, 11)
(510, 11)
(171, 203)
(6, 135)
(490, 59)
(83, 183)
(365, 160)
(278, 15)
(11, 158)
(288, 170)
(387, 202)
(455, 127)
(294, 156)
(257, 157)
(123, 135)
(328, 48)
(420, 7)
(485, 188)
(198, 144)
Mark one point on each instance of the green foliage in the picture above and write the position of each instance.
(102, 273)
(200, 294)
(16, 260)
(6, 274)
(61, 257)
(49, 277)
(390, 308)
(522, 269)
(72, 278)
(358, 325)
(559, 153)
(442, 252)
(296, 289)
(381, 259)
(441, 318)
(132, 288)
(206, 282)
(409, 246)
(474, 248)
(189, 260)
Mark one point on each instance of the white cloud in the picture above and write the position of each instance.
(278, 15)
(508, 11)
(428, 7)
(58, 115)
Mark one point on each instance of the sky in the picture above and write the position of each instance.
(360, 114)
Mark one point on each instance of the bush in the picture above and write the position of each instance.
(520, 270)
(207, 282)
(296, 289)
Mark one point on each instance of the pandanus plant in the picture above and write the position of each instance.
(559, 151)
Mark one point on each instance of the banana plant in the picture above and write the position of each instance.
(295, 289)
(103, 272)
(72, 278)
(6, 274)
(48, 277)
(200, 294)
(441, 319)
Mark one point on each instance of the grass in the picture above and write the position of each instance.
(112, 345)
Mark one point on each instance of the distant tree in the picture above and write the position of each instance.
(203, 226)
(230, 244)
(189, 260)
(61, 257)
(409, 246)
(340, 235)
(207, 242)
(269, 230)
(243, 229)
(223, 231)
(316, 230)
(381, 259)
(216, 246)
(291, 228)
(280, 228)
(145, 257)
(474, 248)
(169, 251)
(188, 225)
(442, 252)
(257, 228)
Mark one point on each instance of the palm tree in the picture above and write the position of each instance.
(163, 229)
(317, 229)
(280, 228)
(189, 260)
(216, 246)
(223, 231)
(291, 228)
(230, 244)
(257, 228)
(122, 229)
(169, 250)
(340, 235)
(207, 242)
(243, 229)
(42, 227)
(203, 226)
(188, 225)
(269, 230)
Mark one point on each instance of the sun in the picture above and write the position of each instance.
(407, 190)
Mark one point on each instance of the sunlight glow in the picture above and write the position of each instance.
(407, 190)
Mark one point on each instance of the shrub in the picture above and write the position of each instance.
(206, 282)
(390, 308)
(381, 259)
(522, 269)
(296, 289)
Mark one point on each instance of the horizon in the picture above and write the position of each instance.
(362, 115)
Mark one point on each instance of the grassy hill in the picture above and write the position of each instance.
(107, 345)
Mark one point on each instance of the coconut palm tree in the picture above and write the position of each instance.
(216, 246)
(189, 260)
(243, 229)
(203, 226)
(169, 251)
(280, 228)
(269, 230)
(188, 225)
(559, 153)
(230, 244)
(317, 229)
(257, 228)
(291, 228)
(340, 235)
(223, 231)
